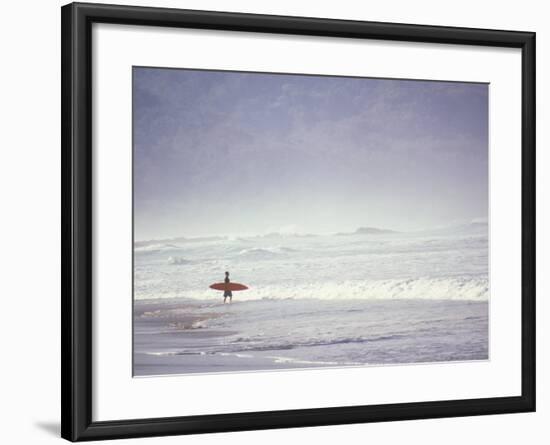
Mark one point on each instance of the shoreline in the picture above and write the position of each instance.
(182, 336)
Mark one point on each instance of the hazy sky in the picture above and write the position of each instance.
(227, 153)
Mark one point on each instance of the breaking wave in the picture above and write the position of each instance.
(177, 261)
(265, 252)
(456, 288)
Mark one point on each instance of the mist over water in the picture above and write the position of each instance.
(218, 152)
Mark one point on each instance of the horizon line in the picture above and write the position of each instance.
(380, 230)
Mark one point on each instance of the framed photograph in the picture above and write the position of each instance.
(273, 222)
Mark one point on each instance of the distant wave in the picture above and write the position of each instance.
(150, 248)
(265, 252)
(177, 261)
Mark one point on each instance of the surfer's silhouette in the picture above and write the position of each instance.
(227, 293)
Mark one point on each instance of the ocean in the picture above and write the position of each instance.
(350, 299)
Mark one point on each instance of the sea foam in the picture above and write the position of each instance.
(400, 266)
(461, 288)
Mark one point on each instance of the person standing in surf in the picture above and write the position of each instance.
(227, 293)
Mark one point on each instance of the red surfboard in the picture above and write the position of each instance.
(228, 286)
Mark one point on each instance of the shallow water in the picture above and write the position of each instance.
(271, 334)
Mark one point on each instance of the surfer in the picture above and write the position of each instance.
(228, 287)
(227, 293)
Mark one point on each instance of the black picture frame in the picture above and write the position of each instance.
(76, 248)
